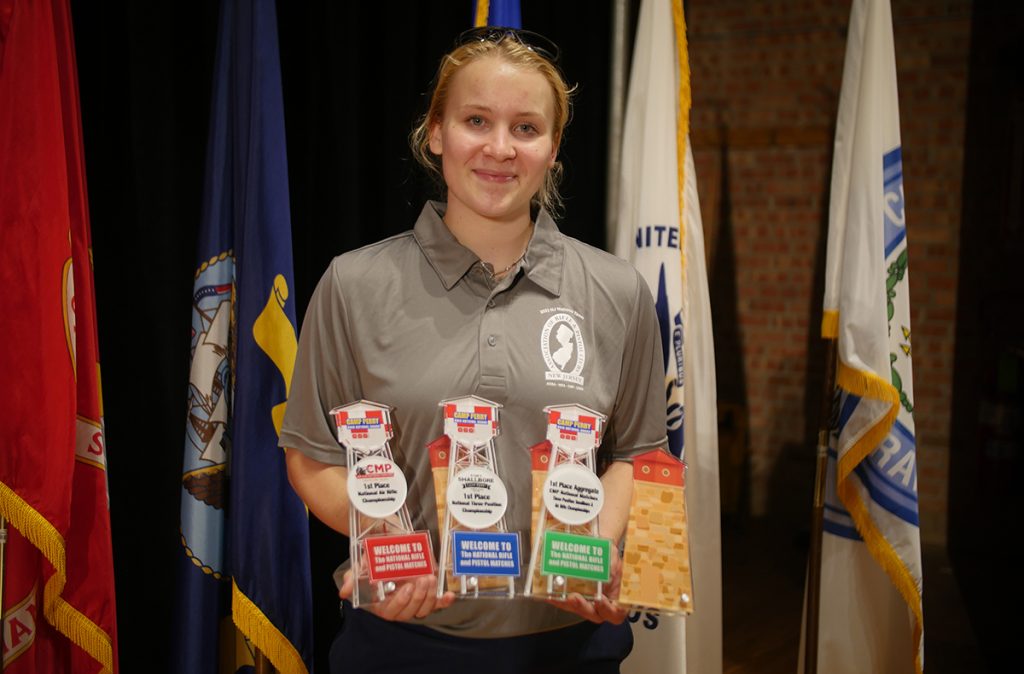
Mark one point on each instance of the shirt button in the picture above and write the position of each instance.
(490, 304)
(492, 340)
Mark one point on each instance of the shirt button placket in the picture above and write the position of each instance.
(493, 365)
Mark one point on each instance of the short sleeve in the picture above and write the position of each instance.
(638, 420)
(325, 374)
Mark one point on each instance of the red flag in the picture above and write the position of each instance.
(58, 600)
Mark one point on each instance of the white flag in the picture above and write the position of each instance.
(871, 613)
(660, 232)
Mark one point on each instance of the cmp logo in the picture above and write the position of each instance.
(561, 344)
(375, 471)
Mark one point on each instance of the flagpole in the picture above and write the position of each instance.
(263, 665)
(818, 513)
(3, 577)
(616, 105)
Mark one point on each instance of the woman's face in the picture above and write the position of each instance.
(495, 139)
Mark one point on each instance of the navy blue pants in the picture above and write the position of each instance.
(366, 645)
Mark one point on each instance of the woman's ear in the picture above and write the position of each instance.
(436, 146)
(554, 152)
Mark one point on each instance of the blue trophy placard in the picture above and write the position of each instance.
(485, 553)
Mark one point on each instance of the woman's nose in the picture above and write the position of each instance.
(500, 146)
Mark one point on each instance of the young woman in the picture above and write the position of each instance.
(483, 296)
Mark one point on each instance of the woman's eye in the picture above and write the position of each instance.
(526, 129)
(475, 120)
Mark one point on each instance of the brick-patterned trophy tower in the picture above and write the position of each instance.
(567, 555)
(656, 560)
(383, 546)
(479, 556)
(438, 451)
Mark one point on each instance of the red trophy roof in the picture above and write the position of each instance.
(438, 449)
(540, 454)
(659, 466)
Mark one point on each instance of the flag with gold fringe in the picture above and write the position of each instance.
(871, 613)
(58, 605)
(660, 232)
(245, 537)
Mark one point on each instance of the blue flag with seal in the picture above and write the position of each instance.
(871, 617)
(251, 530)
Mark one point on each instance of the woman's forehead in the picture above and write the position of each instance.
(492, 82)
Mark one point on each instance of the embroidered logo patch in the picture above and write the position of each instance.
(561, 344)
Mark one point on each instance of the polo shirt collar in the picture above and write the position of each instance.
(451, 260)
(545, 255)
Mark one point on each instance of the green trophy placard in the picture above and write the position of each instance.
(574, 556)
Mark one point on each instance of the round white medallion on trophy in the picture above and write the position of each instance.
(477, 497)
(376, 487)
(573, 494)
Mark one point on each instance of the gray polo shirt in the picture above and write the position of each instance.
(415, 319)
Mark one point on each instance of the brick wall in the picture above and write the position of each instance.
(766, 78)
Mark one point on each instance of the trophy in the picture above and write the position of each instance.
(656, 560)
(479, 556)
(383, 546)
(567, 555)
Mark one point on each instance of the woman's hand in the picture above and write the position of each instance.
(413, 598)
(603, 609)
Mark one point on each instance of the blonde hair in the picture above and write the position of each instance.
(514, 52)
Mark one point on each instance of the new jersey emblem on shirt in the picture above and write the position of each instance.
(561, 345)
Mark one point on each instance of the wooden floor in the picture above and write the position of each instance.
(763, 576)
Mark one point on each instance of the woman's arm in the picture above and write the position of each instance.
(322, 487)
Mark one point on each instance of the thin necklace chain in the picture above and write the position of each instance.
(495, 275)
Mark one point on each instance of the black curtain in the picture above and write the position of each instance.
(355, 79)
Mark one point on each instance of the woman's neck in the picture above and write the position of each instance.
(499, 243)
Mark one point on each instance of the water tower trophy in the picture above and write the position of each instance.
(567, 554)
(383, 546)
(479, 556)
